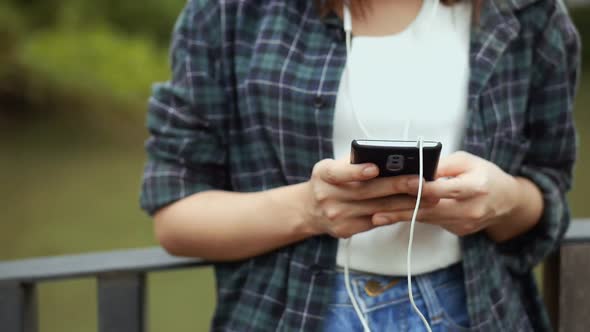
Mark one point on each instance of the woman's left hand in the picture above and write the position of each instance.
(474, 195)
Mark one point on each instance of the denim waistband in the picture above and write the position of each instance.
(397, 290)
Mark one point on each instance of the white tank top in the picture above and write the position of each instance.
(418, 77)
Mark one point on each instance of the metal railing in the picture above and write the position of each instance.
(121, 284)
(120, 279)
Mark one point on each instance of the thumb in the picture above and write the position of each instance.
(454, 164)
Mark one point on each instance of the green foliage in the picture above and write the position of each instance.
(11, 31)
(102, 55)
(96, 60)
(151, 19)
(581, 17)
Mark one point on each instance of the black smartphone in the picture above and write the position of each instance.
(397, 157)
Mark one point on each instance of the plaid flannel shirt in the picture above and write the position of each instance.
(250, 107)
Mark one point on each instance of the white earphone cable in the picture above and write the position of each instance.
(348, 284)
(411, 237)
(348, 29)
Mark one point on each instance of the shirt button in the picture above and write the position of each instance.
(319, 102)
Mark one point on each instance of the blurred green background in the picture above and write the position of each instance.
(74, 79)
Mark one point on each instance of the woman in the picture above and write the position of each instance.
(263, 95)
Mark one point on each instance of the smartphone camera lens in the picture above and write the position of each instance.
(395, 162)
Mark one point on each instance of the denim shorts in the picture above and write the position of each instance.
(440, 296)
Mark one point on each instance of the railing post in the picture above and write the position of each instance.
(551, 287)
(121, 302)
(574, 290)
(18, 307)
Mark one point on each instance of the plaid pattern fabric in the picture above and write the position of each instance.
(250, 107)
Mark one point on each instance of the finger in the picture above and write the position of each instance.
(388, 204)
(341, 171)
(462, 229)
(341, 210)
(449, 209)
(444, 209)
(454, 164)
(453, 226)
(376, 188)
(461, 187)
(348, 227)
(390, 218)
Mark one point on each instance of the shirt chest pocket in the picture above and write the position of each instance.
(290, 93)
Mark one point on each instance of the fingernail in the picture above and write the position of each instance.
(380, 221)
(370, 171)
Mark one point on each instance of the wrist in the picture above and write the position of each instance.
(524, 213)
(510, 202)
(515, 197)
(306, 218)
(291, 204)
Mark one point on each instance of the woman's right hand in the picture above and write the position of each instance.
(342, 198)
